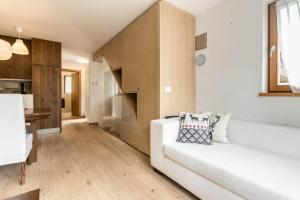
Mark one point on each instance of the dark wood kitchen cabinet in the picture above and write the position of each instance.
(46, 53)
(46, 80)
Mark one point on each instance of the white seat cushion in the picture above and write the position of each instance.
(250, 173)
(28, 144)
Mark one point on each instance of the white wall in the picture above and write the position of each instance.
(84, 81)
(235, 71)
(96, 92)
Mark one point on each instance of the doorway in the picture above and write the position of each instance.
(71, 94)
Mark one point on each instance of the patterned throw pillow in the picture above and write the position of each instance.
(194, 128)
(218, 127)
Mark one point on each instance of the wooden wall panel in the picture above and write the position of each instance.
(201, 42)
(46, 82)
(132, 57)
(177, 60)
(145, 71)
(113, 52)
(19, 66)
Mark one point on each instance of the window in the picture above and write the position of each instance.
(68, 84)
(284, 31)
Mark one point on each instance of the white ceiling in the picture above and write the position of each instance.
(81, 25)
(194, 7)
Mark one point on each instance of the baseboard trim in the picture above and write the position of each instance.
(48, 131)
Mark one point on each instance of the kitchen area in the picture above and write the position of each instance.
(15, 86)
(16, 72)
(33, 69)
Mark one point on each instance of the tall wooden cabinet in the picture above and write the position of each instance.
(153, 52)
(46, 80)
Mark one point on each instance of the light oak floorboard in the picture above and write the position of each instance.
(85, 162)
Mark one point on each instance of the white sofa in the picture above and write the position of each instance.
(262, 162)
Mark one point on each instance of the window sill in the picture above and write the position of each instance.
(279, 94)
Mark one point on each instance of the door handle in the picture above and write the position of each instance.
(272, 50)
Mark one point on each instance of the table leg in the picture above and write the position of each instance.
(33, 154)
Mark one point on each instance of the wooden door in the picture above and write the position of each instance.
(75, 94)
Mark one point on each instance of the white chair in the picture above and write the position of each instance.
(28, 105)
(27, 101)
(15, 144)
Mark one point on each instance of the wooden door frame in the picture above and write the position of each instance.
(79, 85)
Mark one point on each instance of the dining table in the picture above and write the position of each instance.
(33, 116)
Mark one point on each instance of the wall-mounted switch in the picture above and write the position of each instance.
(168, 89)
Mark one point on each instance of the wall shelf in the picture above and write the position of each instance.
(132, 99)
(15, 79)
(118, 76)
(131, 92)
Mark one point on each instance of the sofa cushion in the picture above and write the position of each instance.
(194, 128)
(250, 173)
(278, 139)
(218, 127)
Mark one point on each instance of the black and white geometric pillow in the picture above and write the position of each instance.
(194, 128)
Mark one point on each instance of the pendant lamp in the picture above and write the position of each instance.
(5, 50)
(19, 47)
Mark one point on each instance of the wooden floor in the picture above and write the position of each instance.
(87, 163)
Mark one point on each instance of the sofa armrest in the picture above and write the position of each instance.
(162, 131)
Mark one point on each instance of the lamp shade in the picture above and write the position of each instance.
(5, 50)
(19, 48)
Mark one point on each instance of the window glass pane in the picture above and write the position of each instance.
(68, 84)
(282, 73)
(289, 29)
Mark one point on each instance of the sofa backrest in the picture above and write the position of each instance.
(279, 139)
